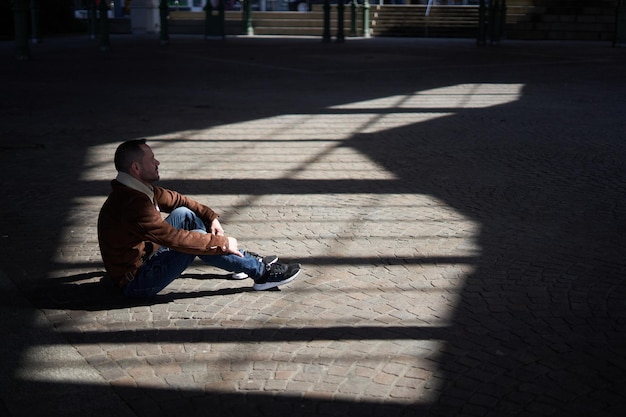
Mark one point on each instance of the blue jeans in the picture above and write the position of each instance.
(166, 265)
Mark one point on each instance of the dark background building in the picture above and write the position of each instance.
(597, 20)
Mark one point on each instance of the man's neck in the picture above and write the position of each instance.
(132, 182)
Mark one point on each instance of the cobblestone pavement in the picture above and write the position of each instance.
(459, 213)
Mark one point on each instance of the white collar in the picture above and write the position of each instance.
(132, 182)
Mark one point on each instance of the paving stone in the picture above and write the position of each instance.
(457, 210)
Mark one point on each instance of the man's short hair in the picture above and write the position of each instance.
(127, 153)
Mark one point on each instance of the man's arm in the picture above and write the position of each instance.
(169, 200)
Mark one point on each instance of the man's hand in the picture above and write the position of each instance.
(232, 246)
(216, 228)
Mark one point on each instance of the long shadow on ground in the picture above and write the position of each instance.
(539, 329)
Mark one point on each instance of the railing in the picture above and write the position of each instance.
(522, 20)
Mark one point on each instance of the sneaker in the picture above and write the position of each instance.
(277, 274)
(267, 260)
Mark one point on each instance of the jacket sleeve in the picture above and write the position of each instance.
(151, 226)
(169, 200)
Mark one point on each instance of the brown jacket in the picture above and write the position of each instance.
(130, 229)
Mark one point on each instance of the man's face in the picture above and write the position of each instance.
(149, 166)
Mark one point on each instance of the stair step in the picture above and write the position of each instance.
(525, 19)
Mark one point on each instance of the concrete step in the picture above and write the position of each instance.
(264, 23)
(525, 19)
(421, 21)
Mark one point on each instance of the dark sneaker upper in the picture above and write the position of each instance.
(277, 274)
(267, 260)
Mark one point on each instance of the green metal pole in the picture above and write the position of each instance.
(502, 27)
(214, 24)
(20, 16)
(481, 38)
(366, 19)
(92, 18)
(34, 21)
(105, 41)
(340, 20)
(208, 19)
(494, 7)
(164, 35)
(620, 24)
(248, 29)
(353, 12)
(326, 34)
(222, 19)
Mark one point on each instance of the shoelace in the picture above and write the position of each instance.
(277, 269)
(254, 255)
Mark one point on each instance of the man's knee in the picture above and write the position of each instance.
(182, 211)
(184, 218)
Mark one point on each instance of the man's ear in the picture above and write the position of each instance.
(134, 168)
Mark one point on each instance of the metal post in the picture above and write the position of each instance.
(214, 24)
(164, 35)
(222, 17)
(34, 21)
(481, 38)
(366, 19)
(620, 24)
(105, 42)
(20, 16)
(92, 18)
(497, 15)
(340, 20)
(493, 13)
(502, 26)
(326, 34)
(353, 12)
(117, 8)
(208, 12)
(247, 18)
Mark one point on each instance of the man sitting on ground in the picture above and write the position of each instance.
(143, 253)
